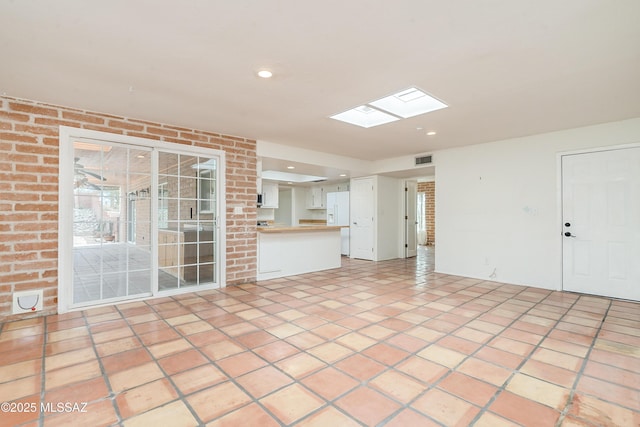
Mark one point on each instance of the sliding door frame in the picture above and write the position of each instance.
(65, 211)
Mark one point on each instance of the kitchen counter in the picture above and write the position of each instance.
(288, 251)
(297, 228)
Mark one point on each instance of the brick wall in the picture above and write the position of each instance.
(429, 188)
(29, 192)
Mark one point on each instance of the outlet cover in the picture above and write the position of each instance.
(27, 301)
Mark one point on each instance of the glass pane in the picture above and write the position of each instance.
(167, 163)
(112, 222)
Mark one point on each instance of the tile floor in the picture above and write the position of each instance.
(387, 343)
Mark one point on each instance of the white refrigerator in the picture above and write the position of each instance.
(338, 214)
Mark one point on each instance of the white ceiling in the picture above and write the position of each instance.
(506, 68)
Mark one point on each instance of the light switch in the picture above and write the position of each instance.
(237, 210)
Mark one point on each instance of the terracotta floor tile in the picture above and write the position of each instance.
(255, 339)
(459, 345)
(447, 409)
(356, 341)
(512, 346)
(194, 328)
(330, 383)
(549, 373)
(182, 361)
(284, 330)
(407, 342)
(100, 413)
(113, 347)
(489, 419)
(368, 406)
(217, 401)
(609, 392)
(276, 351)
(398, 386)
(248, 415)
(20, 370)
(330, 331)
(145, 397)
(305, 340)
(360, 367)
(20, 388)
(428, 335)
(72, 374)
(300, 365)
(134, 377)
(601, 413)
(488, 372)
(264, 381)
(173, 414)
(442, 355)
(198, 378)
(330, 352)
(292, 403)
(241, 363)
(385, 354)
(22, 417)
(125, 360)
(470, 389)
(499, 357)
(423, 370)
(523, 411)
(408, 418)
(67, 345)
(159, 336)
(613, 374)
(86, 391)
(555, 358)
(377, 332)
(539, 391)
(222, 349)
(329, 416)
(202, 339)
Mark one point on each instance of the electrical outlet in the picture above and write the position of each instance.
(27, 301)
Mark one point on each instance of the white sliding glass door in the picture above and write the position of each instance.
(137, 218)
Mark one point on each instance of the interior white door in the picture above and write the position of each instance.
(601, 223)
(410, 219)
(362, 214)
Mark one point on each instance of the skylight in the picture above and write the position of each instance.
(401, 105)
(365, 116)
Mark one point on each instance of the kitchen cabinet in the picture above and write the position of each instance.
(316, 198)
(270, 196)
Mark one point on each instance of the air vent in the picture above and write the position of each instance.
(424, 160)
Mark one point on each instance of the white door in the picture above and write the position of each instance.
(410, 219)
(362, 213)
(601, 223)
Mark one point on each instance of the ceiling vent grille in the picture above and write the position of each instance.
(424, 160)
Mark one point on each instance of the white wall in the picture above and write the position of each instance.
(497, 204)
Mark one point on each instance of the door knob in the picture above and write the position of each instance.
(568, 234)
(567, 224)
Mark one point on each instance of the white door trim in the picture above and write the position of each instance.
(559, 195)
(65, 204)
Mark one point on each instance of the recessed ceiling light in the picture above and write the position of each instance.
(265, 74)
(291, 167)
(343, 174)
(431, 133)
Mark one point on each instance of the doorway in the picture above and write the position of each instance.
(601, 222)
(139, 218)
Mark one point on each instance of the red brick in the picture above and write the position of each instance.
(82, 117)
(31, 109)
(18, 137)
